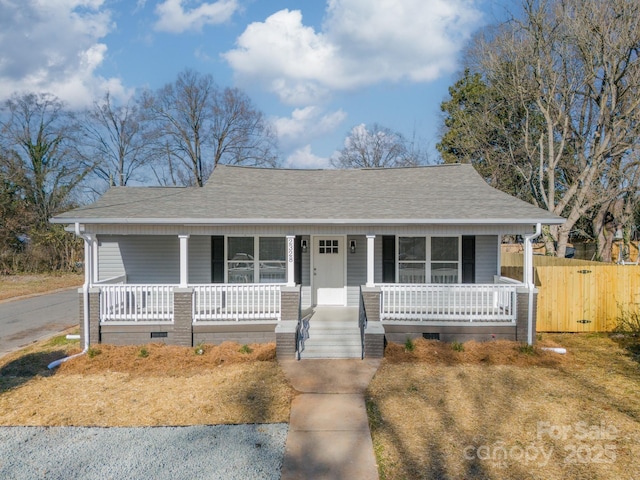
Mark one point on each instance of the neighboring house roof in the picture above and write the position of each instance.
(433, 194)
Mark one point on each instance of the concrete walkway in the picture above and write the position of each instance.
(329, 433)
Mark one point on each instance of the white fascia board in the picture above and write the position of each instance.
(309, 221)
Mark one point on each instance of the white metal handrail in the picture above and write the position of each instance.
(468, 302)
(136, 303)
(246, 301)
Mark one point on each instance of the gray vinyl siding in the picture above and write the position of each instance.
(156, 259)
(356, 268)
(353, 296)
(109, 260)
(145, 258)
(377, 259)
(356, 262)
(306, 264)
(306, 297)
(199, 259)
(486, 258)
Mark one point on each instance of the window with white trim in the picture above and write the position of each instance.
(445, 259)
(272, 265)
(256, 260)
(328, 246)
(429, 259)
(240, 259)
(412, 259)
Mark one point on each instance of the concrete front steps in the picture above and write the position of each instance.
(333, 333)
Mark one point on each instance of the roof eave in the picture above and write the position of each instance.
(309, 221)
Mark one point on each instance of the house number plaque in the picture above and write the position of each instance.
(290, 249)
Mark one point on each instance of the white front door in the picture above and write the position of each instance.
(328, 270)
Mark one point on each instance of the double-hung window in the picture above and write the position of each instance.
(412, 258)
(240, 259)
(428, 259)
(256, 260)
(273, 267)
(445, 259)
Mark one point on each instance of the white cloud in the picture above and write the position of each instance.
(360, 43)
(54, 47)
(173, 17)
(303, 158)
(306, 124)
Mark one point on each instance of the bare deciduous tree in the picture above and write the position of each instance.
(201, 125)
(240, 133)
(39, 138)
(376, 147)
(117, 140)
(572, 68)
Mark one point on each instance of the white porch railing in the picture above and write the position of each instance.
(468, 302)
(136, 303)
(247, 301)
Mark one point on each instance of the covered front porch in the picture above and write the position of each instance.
(255, 313)
(295, 273)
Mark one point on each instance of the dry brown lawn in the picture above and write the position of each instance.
(494, 410)
(498, 411)
(18, 285)
(146, 385)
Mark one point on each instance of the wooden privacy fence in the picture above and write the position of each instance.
(577, 295)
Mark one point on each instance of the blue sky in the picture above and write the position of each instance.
(315, 68)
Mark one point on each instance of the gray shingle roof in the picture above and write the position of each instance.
(434, 194)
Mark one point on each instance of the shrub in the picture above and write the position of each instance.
(457, 346)
(245, 349)
(629, 320)
(143, 352)
(409, 346)
(93, 352)
(526, 349)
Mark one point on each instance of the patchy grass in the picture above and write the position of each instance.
(18, 285)
(498, 410)
(120, 386)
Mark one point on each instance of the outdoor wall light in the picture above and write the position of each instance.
(303, 245)
(352, 246)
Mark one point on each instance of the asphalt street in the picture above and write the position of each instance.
(28, 320)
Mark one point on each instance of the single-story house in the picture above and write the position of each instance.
(404, 252)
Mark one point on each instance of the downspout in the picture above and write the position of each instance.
(85, 297)
(528, 242)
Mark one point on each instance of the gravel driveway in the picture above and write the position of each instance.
(211, 452)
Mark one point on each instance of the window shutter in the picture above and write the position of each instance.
(388, 259)
(217, 259)
(469, 259)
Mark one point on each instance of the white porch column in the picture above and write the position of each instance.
(96, 263)
(370, 260)
(527, 262)
(499, 265)
(184, 260)
(528, 278)
(90, 260)
(291, 242)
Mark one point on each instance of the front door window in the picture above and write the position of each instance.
(328, 247)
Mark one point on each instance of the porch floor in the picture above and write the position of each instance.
(333, 333)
